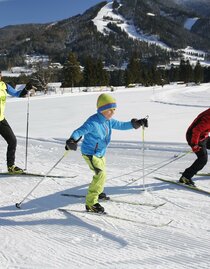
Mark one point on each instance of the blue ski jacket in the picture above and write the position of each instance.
(97, 132)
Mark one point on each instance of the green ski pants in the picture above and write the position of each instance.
(98, 166)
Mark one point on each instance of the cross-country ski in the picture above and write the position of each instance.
(194, 188)
(105, 214)
(34, 175)
(203, 174)
(117, 200)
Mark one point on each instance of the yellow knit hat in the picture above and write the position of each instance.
(105, 102)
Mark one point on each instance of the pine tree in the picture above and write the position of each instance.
(89, 73)
(188, 73)
(133, 71)
(198, 73)
(102, 75)
(173, 74)
(115, 4)
(182, 70)
(71, 71)
(185, 71)
(94, 73)
(117, 77)
(206, 74)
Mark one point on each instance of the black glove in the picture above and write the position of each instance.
(28, 86)
(71, 144)
(138, 123)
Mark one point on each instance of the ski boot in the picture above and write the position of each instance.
(97, 208)
(13, 169)
(186, 181)
(103, 196)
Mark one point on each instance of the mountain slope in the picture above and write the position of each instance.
(158, 20)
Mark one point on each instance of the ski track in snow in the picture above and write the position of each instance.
(42, 236)
(39, 236)
(188, 97)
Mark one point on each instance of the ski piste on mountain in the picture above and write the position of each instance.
(193, 188)
(84, 213)
(116, 200)
(34, 175)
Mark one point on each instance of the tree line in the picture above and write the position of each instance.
(92, 72)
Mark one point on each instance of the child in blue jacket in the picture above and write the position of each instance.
(97, 132)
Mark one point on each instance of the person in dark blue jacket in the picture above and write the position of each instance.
(97, 132)
(5, 129)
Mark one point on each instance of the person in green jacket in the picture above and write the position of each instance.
(97, 132)
(5, 129)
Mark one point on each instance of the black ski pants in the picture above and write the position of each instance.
(201, 161)
(7, 133)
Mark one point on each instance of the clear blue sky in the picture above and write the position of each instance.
(41, 11)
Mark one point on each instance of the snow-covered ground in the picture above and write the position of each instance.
(40, 236)
(190, 22)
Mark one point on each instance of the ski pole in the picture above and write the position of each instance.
(143, 175)
(18, 205)
(27, 126)
(158, 168)
(143, 150)
(146, 168)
